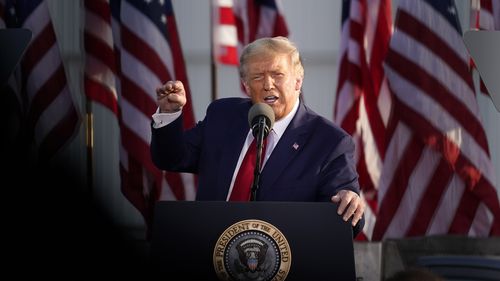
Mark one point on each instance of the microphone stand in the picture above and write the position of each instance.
(256, 172)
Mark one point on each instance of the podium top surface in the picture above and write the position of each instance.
(13, 44)
(483, 47)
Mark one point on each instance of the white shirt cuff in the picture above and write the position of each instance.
(163, 119)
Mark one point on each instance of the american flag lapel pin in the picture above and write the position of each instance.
(295, 146)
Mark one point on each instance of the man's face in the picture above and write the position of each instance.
(272, 80)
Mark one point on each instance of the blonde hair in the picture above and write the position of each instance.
(271, 45)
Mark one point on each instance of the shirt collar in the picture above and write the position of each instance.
(281, 125)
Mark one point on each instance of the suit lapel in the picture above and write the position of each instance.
(236, 136)
(288, 147)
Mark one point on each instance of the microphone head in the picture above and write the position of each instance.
(258, 111)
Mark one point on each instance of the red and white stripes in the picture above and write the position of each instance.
(53, 117)
(133, 47)
(363, 100)
(437, 174)
(100, 64)
(257, 19)
(225, 36)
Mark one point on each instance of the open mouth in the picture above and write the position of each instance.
(270, 99)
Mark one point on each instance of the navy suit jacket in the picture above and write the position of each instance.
(312, 161)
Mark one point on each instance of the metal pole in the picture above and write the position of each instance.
(89, 141)
(213, 66)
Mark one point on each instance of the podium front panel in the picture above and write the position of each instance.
(185, 236)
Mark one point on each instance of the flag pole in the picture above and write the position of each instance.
(89, 142)
(213, 66)
(213, 77)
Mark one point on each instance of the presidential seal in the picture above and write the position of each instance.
(252, 250)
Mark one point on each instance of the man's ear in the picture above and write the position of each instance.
(245, 85)
(298, 83)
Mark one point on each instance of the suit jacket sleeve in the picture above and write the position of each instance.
(173, 150)
(340, 173)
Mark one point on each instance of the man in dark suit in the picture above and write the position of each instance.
(307, 158)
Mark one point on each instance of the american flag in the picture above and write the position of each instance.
(225, 37)
(484, 15)
(100, 63)
(147, 53)
(239, 22)
(437, 176)
(259, 18)
(363, 100)
(50, 115)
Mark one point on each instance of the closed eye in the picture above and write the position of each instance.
(257, 77)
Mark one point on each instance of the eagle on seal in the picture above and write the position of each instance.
(252, 254)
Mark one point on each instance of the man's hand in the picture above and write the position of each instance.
(171, 97)
(351, 205)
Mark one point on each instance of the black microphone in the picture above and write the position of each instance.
(261, 121)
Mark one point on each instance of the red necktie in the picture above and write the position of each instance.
(244, 179)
